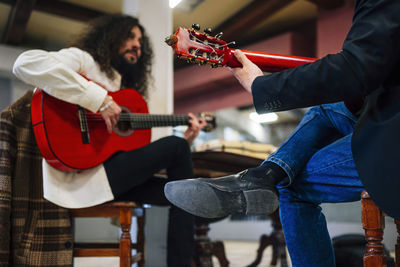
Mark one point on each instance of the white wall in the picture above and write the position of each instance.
(156, 17)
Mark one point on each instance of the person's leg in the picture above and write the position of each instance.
(131, 178)
(320, 126)
(180, 235)
(329, 176)
(253, 191)
(126, 170)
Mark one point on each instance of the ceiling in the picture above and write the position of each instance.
(50, 24)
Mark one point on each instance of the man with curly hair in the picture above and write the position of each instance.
(114, 53)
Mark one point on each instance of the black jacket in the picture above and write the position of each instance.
(367, 67)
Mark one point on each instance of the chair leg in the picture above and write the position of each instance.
(373, 224)
(397, 247)
(140, 237)
(125, 251)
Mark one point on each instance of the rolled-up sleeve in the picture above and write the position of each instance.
(57, 73)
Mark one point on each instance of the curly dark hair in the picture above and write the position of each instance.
(103, 39)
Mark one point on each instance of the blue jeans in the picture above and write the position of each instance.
(319, 163)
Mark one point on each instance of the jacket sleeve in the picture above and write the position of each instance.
(7, 156)
(57, 73)
(369, 55)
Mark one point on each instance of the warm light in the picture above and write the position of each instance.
(174, 3)
(263, 118)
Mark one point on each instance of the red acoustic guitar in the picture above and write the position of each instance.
(202, 48)
(72, 138)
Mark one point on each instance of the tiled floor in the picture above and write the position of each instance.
(239, 254)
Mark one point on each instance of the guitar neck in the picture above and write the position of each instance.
(147, 121)
(268, 62)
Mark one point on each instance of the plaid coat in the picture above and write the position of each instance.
(33, 231)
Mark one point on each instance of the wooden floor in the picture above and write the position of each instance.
(239, 254)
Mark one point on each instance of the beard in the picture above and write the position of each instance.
(129, 72)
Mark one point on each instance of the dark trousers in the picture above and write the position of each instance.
(131, 176)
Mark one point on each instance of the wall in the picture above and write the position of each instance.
(156, 17)
(10, 88)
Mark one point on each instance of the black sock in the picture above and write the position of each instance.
(269, 171)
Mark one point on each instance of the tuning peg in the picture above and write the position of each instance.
(219, 35)
(196, 26)
(171, 40)
(208, 30)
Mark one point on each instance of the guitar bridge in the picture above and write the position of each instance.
(83, 125)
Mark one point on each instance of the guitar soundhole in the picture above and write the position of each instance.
(123, 127)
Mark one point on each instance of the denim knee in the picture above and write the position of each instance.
(286, 195)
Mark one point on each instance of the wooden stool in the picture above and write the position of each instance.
(123, 249)
(373, 222)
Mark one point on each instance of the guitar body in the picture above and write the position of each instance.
(58, 134)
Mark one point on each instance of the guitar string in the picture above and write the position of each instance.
(150, 118)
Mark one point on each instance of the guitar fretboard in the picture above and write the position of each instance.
(146, 121)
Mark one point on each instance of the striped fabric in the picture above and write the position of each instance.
(33, 231)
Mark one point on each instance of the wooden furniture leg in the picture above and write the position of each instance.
(218, 250)
(203, 255)
(205, 249)
(139, 257)
(276, 240)
(123, 249)
(265, 241)
(125, 240)
(397, 247)
(373, 223)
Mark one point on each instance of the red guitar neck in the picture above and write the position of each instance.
(266, 61)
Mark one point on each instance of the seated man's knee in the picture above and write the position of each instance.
(179, 144)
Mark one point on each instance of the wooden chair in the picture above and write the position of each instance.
(123, 249)
(373, 223)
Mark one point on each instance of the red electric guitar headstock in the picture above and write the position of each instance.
(201, 48)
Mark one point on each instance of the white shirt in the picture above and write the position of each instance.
(60, 75)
